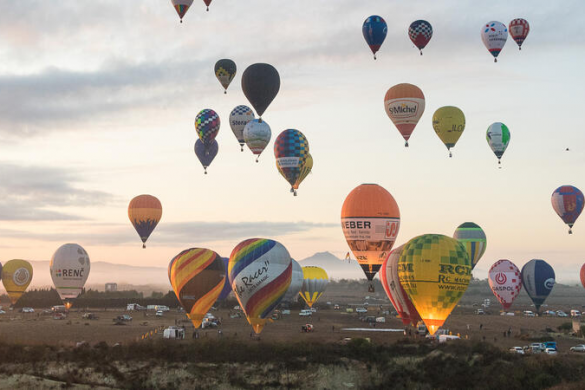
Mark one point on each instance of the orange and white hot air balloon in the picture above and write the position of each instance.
(404, 104)
(370, 220)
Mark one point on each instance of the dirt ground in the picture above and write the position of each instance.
(329, 324)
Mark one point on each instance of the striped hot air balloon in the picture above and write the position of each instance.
(198, 277)
(260, 272)
(315, 281)
(473, 239)
(16, 276)
(404, 104)
(144, 212)
(181, 6)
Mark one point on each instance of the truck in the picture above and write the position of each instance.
(134, 306)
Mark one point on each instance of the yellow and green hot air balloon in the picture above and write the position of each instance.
(16, 276)
(305, 170)
(473, 239)
(435, 271)
(449, 123)
(315, 282)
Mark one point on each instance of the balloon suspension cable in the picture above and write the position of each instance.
(143, 246)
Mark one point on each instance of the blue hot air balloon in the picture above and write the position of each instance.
(538, 279)
(206, 155)
(375, 30)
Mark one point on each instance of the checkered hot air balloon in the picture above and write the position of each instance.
(568, 202)
(420, 33)
(291, 150)
(260, 272)
(198, 277)
(239, 118)
(207, 125)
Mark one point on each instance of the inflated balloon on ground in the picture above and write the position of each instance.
(315, 281)
(69, 270)
(538, 279)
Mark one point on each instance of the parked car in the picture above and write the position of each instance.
(578, 348)
(159, 313)
(361, 310)
(335, 307)
(528, 313)
(87, 316)
(59, 316)
(27, 310)
(479, 312)
(122, 318)
(305, 313)
(550, 351)
(561, 313)
(575, 313)
(550, 313)
(2, 311)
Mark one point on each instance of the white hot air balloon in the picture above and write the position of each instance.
(257, 136)
(505, 281)
(494, 36)
(239, 118)
(292, 294)
(69, 270)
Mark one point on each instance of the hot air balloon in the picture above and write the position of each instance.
(582, 275)
(305, 170)
(505, 281)
(181, 6)
(144, 212)
(257, 136)
(207, 125)
(225, 71)
(420, 33)
(198, 277)
(16, 276)
(519, 29)
(449, 123)
(296, 282)
(239, 118)
(260, 272)
(538, 279)
(207, 2)
(494, 36)
(69, 270)
(375, 30)
(568, 202)
(435, 271)
(206, 156)
(315, 281)
(260, 83)
(370, 220)
(227, 287)
(473, 239)
(404, 104)
(291, 150)
(498, 138)
(396, 294)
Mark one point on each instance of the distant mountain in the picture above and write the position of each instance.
(335, 268)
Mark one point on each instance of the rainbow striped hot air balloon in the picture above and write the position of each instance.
(198, 277)
(144, 212)
(260, 272)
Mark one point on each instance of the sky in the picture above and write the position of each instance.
(98, 100)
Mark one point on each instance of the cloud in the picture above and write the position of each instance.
(169, 233)
(32, 193)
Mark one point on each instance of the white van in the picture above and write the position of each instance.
(174, 332)
(575, 313)
(305, 313)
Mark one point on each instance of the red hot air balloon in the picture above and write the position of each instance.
(582, 274)
(519, 29)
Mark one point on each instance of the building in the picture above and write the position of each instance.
(111, 287)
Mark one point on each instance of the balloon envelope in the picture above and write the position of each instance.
(296, 282)
(473, 239)
(435, 271)
(420, 33)
(568, 202)
(198, 277)
(181, 6)
(16, 276)
(538, 279)
(519, 29)
(206, 156)
(395, 291)
(582, 275)
(225, 71)
(315, 281)
(505, 281)
(374, 30)
(260, 272)
(370, 220)
(260, 83)
(145, 212)
(69, 270)
(305, 170)
(449, 123)
(498, 138)
(227, 287)
(257, 136)
(207, 125)
(404, 104)
(291, 150)
(239, 118)
(494, 36)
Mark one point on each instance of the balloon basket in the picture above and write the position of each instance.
(406, 144)
(225, 92)
(295, 193)
(143, 246)
(495, 60)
